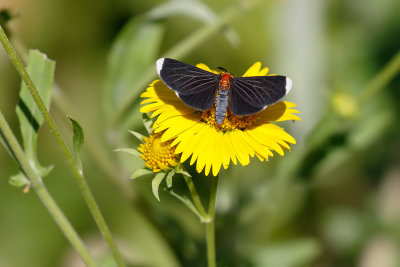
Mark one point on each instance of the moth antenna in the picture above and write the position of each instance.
(225, 71)
(222, 69)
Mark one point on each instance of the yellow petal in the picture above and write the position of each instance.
(212, 142)
(180, 124)
(259, 149)
(203, 66)
(280, 111)
(241, 151)
(262, 136)
(263, 72)
(274, 130)
(219, 154)
(188, 145)
(150, 107)
(253, 70)
(205, 153)
(225, 151)
(200, 140)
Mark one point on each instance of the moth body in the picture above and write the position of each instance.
(222, 100)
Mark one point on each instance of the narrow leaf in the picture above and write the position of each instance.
(77, 139)
(41, 70)
(44, 171)
(129, 151)
(140, 173)
(155, 183)
(179, 169)
(19, 180)
(169, 178)
(187, 203)
(137, 135)
(147, 122)
(192, 9)
(133, 52)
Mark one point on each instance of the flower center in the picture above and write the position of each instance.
(156, 154)
(231, 121)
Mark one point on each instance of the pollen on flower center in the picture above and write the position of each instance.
(231, 121)
(156, 154)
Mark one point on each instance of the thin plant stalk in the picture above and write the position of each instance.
(196, 199)
(210, 226)
(384, 76)
(44, 195)
(78, 173)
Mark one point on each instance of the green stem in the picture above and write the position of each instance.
(43, 194)
(196, 199)
(78, 173)
(210, 226)
(382, 78)
(178, 51)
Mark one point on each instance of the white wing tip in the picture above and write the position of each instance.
(160, 63)
(288, 85)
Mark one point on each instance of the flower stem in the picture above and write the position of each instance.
(78, 173)
(196, 199)
(43, 194)
(388, 72)
(210, 226)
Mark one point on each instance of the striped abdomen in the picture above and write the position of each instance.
(222, 99)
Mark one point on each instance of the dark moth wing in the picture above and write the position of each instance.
(250, 95)
(196, 87)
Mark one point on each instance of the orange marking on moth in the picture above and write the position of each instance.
(225, 81)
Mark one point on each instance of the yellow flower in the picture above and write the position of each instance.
(345, 104)
(197, 135)
(158, 155)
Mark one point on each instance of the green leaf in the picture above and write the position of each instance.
(140, 173)
(179, 169)
(192, 9)
(41, 70)
(77, 139)
(44, 171)
(137, 135)
(187, 202)
(147, 123)
(19, 180)
(171, 173)
(155, 183)
(133, 52)
(129, 151)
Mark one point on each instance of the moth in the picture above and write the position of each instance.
(201, 89)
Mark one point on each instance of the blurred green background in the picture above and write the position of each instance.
(334, 200)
